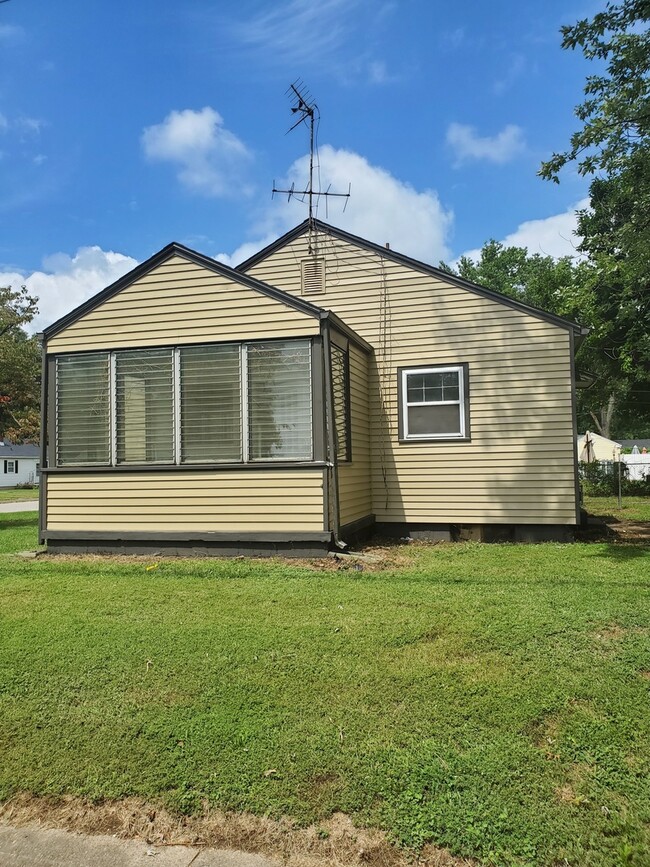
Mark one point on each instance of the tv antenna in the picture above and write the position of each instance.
(305, 108)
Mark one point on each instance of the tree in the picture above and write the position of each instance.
(19, 367)
(613, 146)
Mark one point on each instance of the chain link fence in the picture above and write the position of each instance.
(628, 477)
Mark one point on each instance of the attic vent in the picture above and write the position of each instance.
(312, 272)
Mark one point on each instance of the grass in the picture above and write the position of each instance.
(18, 532)
(634, 508)
(16, 495)
(492, 699)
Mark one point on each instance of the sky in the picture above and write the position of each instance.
(127, 125)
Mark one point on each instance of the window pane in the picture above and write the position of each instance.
(145, 412)
(341, 389)
(82, 409)
(210, 404)
(279, 400)
(424, 387)
(435, 420)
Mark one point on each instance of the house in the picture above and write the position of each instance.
(19, 465)
(594, 447)
(640, 443)
(325, 387)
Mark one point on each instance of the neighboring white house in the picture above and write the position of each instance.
(593, 447)
(18, 465)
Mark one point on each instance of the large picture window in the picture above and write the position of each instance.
(219, 403)
(433, 403)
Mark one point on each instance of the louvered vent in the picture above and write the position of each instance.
(313, 276)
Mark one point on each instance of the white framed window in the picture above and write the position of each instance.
(433, 402)
(11, 466)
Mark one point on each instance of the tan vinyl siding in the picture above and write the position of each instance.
(174, 501)
(182, 302)
(355, 494)
(519, 465)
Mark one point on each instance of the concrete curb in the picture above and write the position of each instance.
(47, 847)
(20, 506)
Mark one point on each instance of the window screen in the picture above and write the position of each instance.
(341, 390)
(279, 400)
(211, 428)
(83, 409)
(144, 394)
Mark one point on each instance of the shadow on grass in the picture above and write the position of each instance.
(623, 551)
(17, 519)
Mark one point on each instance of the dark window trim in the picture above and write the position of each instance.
(346, 386)
(400, 403)
(95, 469)
(318, 414)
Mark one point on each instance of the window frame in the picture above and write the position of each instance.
(347, 431)
(315, 373)
(462, 368)
(14, 466)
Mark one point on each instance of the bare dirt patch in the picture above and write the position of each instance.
(630, 531)
(335, 842)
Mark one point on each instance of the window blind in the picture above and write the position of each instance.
(144, 399)
(279, 400)
(83, 409)
(341, 389)
(211, 423)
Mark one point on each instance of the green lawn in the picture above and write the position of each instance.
(15, 495)
(489, 698)
(634, 508)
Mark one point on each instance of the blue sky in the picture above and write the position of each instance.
(126, 125)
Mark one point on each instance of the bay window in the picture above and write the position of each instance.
(217, 403)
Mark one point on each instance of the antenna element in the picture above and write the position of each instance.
(305, 108)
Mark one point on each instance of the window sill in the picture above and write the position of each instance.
(446, 439)
(186, 468)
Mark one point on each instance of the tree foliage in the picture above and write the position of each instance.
(615, 114)
(612, 145)
(20, 363)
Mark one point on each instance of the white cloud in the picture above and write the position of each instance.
(552, 236)
(298, 31)
(512, 74)
(68, 281)
(208, 155)
(500, 148)
(10, 33)
(382, 208)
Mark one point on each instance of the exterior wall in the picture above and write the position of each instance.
(181, 302)
(519, 466)
(26, 472)
(175, 501)
(355, 495)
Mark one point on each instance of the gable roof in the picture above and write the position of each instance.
(8, 450)
(579, 330)
(176, 249)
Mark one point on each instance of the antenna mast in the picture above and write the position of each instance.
(308, 113)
